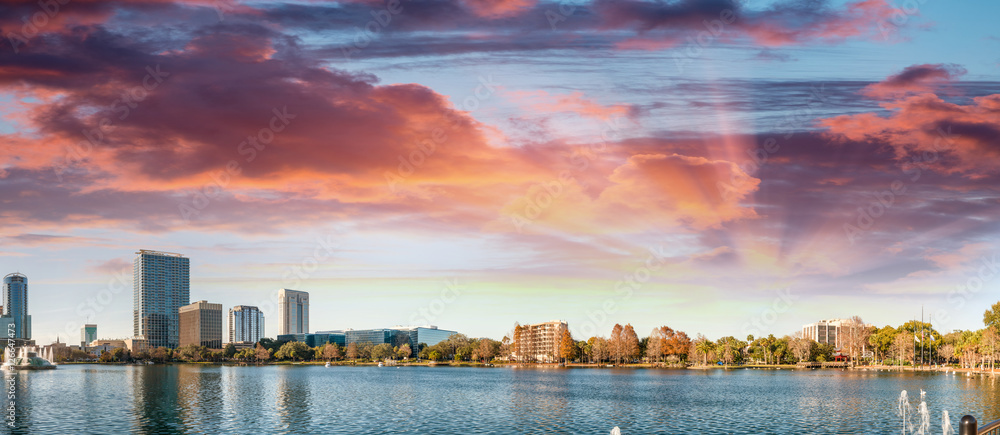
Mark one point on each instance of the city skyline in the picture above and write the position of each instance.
(725, 166)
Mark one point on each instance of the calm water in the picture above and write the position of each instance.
(422, 400)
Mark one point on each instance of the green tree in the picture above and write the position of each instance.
(294, 350)
(991, 318)
(881, 341)
(704, 348)
(230, 351)
(382, 351)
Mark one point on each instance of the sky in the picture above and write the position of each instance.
(722, 167)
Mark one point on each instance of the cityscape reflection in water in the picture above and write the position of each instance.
(196, 398)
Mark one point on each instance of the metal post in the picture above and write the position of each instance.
(968, 425)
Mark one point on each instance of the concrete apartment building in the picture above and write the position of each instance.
(201, 324)
(540, 341)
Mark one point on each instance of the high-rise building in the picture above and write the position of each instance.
(540, 341)
(88, 333)
(201, 324)
(15, 306)
(161, 284)
(293, 312)
(246, 324)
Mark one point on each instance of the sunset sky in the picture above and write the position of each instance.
(707, 165)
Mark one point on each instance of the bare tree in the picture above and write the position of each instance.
(854, 337)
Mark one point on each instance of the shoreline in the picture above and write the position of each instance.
(654, 366)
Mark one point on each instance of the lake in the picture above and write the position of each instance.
(187, 398)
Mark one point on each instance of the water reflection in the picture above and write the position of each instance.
(298, 399)
(293, 405)
(155, 399)
(17, 399)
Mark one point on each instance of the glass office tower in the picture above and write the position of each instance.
(246, 324)
(15, 305)
(161, 284)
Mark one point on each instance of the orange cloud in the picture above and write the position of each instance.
(498, 8)
(574, 102)
(933, 133)
(914, 79)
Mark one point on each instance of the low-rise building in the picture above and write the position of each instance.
(137, 344)
(540, 341)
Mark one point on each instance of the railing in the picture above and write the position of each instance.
(969, 426)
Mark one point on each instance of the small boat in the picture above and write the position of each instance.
(327, 364)
(380, 363)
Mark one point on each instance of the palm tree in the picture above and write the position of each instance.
(705, 347)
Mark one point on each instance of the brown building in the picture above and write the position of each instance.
(201, 324)
(540, 342)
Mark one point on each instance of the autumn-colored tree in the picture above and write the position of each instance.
(484, 351)
(505, 347)
(657, 344)
(404, 351)
(630, 343)
(600, 349)
(517, 346)
(567, 346)
(331, 351)
(679, 345)
(854, 336)
(617, 343)
(352, 351)
(262, 353)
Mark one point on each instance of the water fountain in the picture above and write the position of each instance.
(946, 424)
(27, 359)
(904, 409)
(923, 427)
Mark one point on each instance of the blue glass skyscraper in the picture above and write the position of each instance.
(15, 305)
(161, 283)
